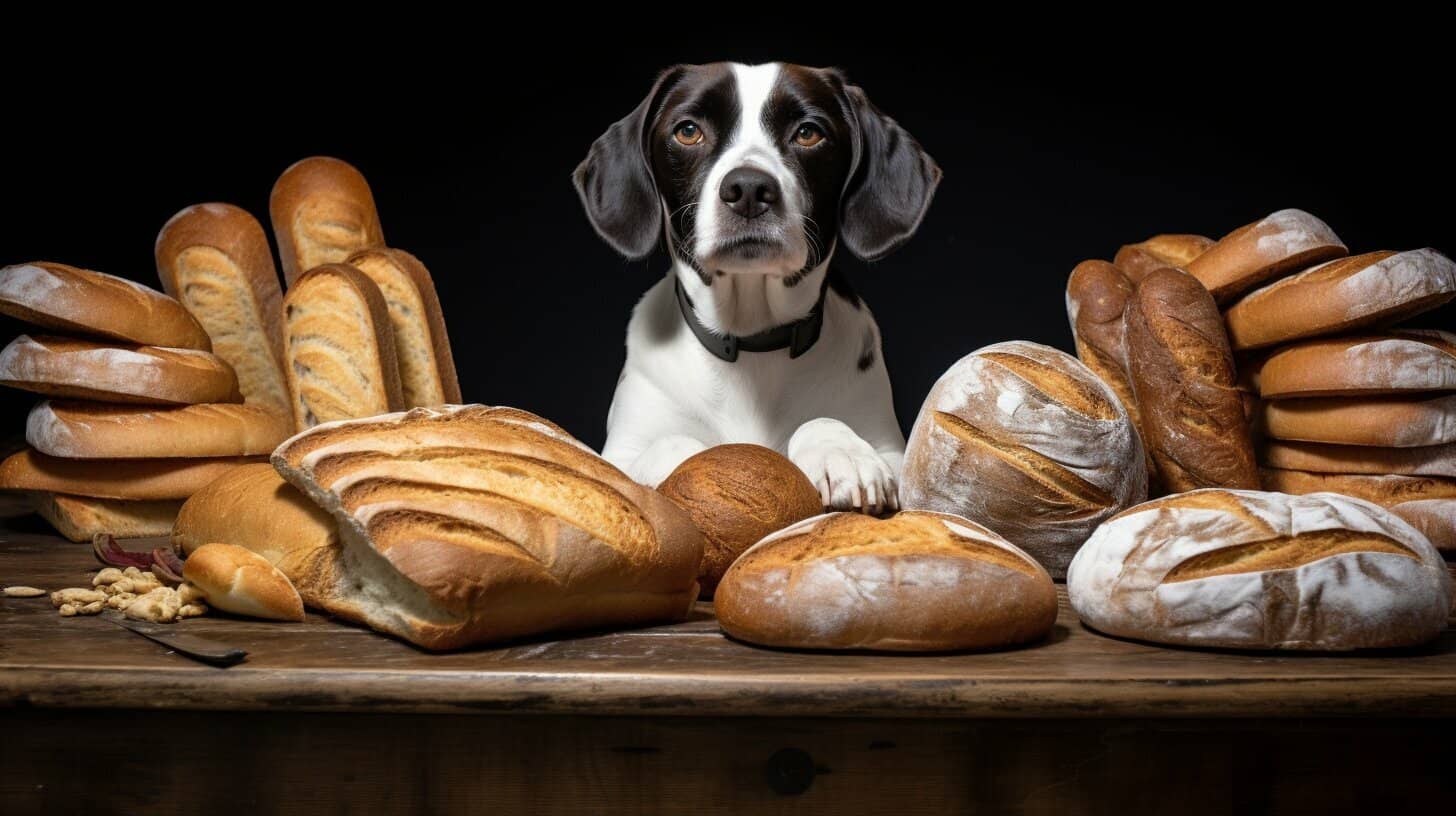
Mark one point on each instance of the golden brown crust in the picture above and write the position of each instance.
(1396, 362)
(140, 375)
(1397, 422)
(434, 384)
(80, 518)
(322, 211)
(93, 304)
(1273, 246)
(139, 479)
(1137, 261)
(90, 430)
(1319, 457)
(235, 579)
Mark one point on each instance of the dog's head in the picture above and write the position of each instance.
(756, 169)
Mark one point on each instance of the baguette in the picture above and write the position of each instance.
(239, 581)
(1097, 296)
(1395, 422)
(1137, 261)
(134, 479)
(143, 375)
(1274, 246)
(81, 518)
(79, 301)
(85, 430)
(322, 212)
(426, 367)
(1399, 362)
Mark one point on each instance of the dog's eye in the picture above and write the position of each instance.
(808, 135)
(688, 133)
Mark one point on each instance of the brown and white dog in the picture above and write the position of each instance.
(754, 175)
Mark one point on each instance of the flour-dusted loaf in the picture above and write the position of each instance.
(237, 580)
(148, 375)
(338, 348)
(1276, 245)
(1321, 457)
(1251, 570)
(1396, 422)
(1097, 296)
(215, 259)
(1427, 502)
(79, 301)
(322, 212)
(918, 581)
(426, 367)
(135, 479)
(1137, 261)
(470, 524)
(1029, 442)
(1340, 296)
(1183, 377)
(92, 430)
(81, 518)
(1397, 362)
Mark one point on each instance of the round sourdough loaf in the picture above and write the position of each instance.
(736, 495)
(1273, 246)
(1395, 422)
(915, 582)
(1427, 502)
(242, 582)
(91, 430)
(1137, 261)
(1341, 296)
(1029, 442)
(322, 211)
(1251, 570)
(1321, 457)
(148, 375)
(1398, 362)
(80, 301)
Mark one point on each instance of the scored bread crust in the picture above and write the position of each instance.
(1427, 502)
(414, 308)
(235, 579)
(1276, 245)
(469, 524)
(139, 479)
(1139, 260)
(919, 581)
(320, 333)
(1342, 295)
(1253, 570)
(94, 304)
(88, 430)
(144, 375)
(1403, 361)
(80, 518)
(322, 212)
(214, 259)
(1320, 457)
(1397, 422)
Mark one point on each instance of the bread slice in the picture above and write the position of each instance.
(338, 348)
(1276, 245)
(79, 518)
(90, 430)
(237, 580)
(322, 212)
(135, 479)
(426, 367)
(146, 375)
(93, 304)
(215, 259)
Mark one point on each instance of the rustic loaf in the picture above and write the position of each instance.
(1427, 502)
(1273, 246)
(215, 259)
(322, 212)
(1097, 296)
(81, 518)
(1396, 422)
(1029, 442)
(918, 581)
(79, 301)
(90, 430)
(237, 580)
(1320, 457)
(136, 479)
(1252, 570)
(426, 367)
(1396, 362)
(1137, 261)
(146, 375)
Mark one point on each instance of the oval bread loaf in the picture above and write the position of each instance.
(322, 211)
(1276, 245)
(147, 375)
(1404, 361)
(426, 367)
(242, 582)
(1427, 502)
(1321, 457)
(79, 301)
(1395, 422)
(91, 430)
(138, 479)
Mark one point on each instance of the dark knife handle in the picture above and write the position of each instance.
(197, 648)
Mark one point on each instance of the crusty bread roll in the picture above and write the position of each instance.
(136, 479)
(1396, 422)
(322, 212)
(94, 304)
(1250, 570)
(80, 518)
(1097, 296)
(1137, 261)
(1319, 457)
(1029, 442)
(239, 581)
(89, 430)
(736, 495)
(215, 259)
(468, 524)
(338, 348)
(1273, 246)
(1351, 293)
(1427, 502)
(1397, 362)
(146, 375)
(1183, 379)
(914, 582)
(426, 367)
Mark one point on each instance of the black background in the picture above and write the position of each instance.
(1051, 154)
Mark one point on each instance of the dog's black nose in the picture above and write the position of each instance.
(749, 192)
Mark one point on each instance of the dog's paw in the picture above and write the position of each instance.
(848, 472)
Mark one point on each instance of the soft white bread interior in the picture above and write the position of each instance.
(80, 518)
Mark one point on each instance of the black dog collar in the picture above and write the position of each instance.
(798, 337)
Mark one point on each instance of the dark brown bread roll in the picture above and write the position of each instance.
(1137, 261)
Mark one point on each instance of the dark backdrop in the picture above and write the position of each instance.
(1050, 156)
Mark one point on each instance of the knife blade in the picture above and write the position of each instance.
(198, 648)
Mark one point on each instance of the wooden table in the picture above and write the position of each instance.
(325, 717)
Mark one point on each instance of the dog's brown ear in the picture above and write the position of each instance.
(615, 182)
(891, 185)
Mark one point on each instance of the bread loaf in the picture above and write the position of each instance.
(338, 348)
(915, 582)
(1396, 422)
(149, 375)
(323, 212)
(1274, 246)
(426, 368)
(736, 495)
(1340, 296)
(1137, 261)
(1027, 441)
(1428, 503)
(135, 479)
(1183, 379)
(1252, 570)
(89, 430)
(239, 581)
(215, 259)
(1319, 457)
(1397, 362)
(94, 304)
(468, 524)
(81, 518)
(1097, 296)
